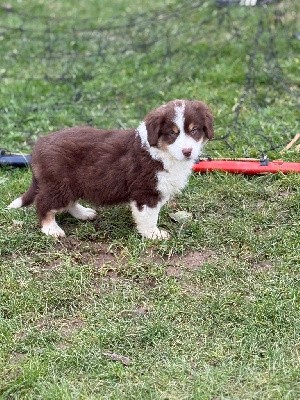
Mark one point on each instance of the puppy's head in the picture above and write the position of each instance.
(180, 128)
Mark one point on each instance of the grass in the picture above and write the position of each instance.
(213, 313)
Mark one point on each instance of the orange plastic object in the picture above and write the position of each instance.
(251, 167)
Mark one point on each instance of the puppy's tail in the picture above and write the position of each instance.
(27, 198)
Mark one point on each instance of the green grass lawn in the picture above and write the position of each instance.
(212, 313)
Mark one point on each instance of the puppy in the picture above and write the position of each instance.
(143, 166)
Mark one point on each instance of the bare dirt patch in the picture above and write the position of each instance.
(175, 272)
(103, 259)
(48, 266)
(178, 265)
(93, 253)
(70, 326)
(65, 327)
(190, 289)
(17, 358)
(262, 266)
(151, 257)
(68, 243)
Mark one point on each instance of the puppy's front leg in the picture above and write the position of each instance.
(146, 221)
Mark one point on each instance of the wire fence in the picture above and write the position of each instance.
(60, 71)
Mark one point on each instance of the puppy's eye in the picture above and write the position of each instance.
(194, 131)
(173, 133)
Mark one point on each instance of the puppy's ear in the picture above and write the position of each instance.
(154, 123)
(208, 124)
(203, 112)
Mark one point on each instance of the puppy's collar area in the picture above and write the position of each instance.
(142, 134)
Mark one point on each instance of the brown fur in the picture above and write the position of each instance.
(102, 167)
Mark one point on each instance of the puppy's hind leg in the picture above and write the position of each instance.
(50, 226)
(80, 212)
(46, 208)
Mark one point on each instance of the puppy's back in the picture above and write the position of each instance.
(104, 167)
(64, 152)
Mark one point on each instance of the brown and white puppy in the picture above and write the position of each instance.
(143, 166)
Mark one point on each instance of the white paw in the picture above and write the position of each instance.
(83, 213)
(156, 234)
(17, 203)
(53, 230)
(87, 213)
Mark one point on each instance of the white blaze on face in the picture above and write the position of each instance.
(143, 134)
(183, 140)
(179, 117)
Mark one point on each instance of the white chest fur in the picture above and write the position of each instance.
(174, 178)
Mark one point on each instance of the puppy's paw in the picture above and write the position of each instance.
(162, 234)
(159, 234)
(17, 203)
(83, 213)
(53, 230)
(88, 213)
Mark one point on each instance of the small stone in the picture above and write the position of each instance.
(181, 216)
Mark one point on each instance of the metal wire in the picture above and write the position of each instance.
(68, 59)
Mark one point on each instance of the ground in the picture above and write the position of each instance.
(212, 313)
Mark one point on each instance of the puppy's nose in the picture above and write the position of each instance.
(187, 152)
